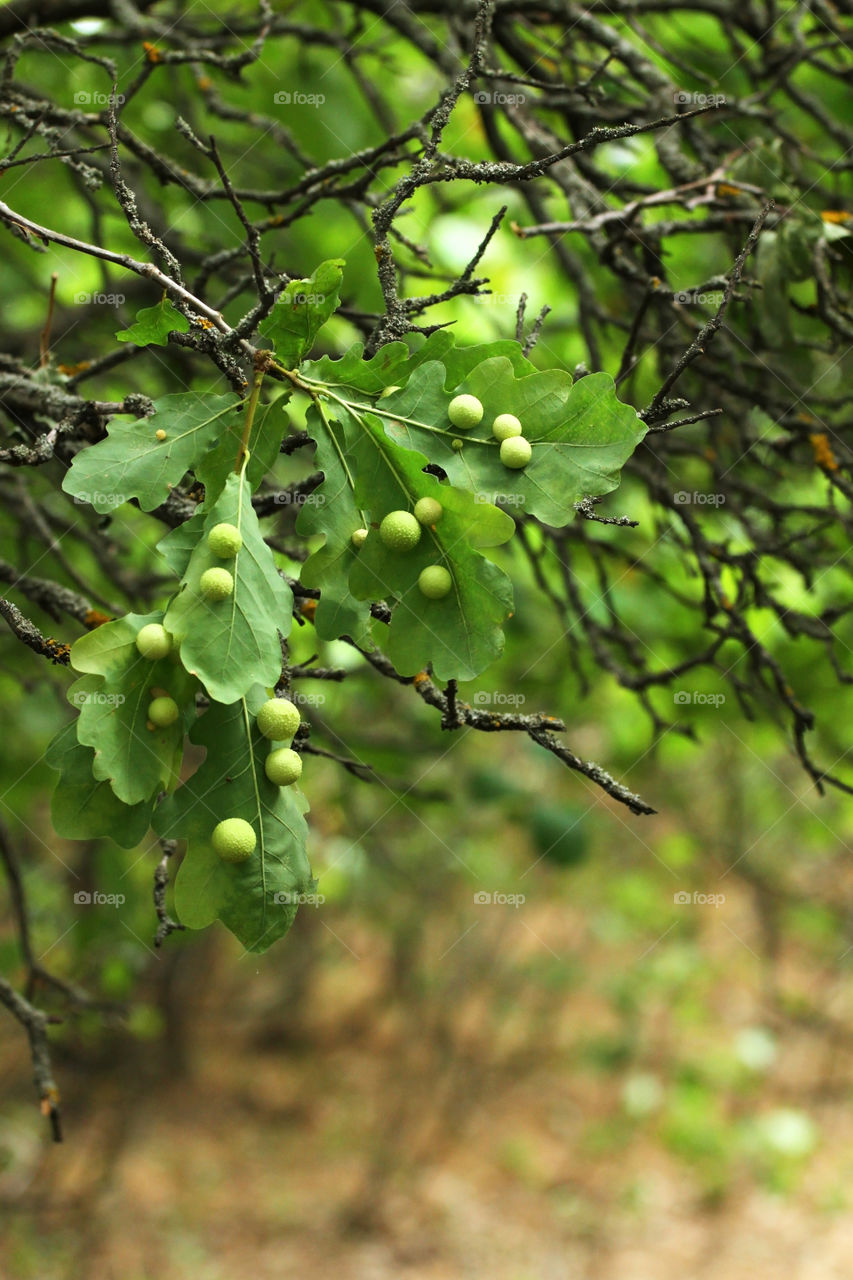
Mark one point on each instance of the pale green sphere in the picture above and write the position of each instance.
(400, 531)
(283, 766)
(234, 840)
(428, 510)
(225, 540)
(153, 641)
(465, 412)
(505, 426)
(516, 452)
(163, 711)
(278, 719)
(216, 584)
(434, 582)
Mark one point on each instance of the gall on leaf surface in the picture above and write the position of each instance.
(580, 432)
(255, 899)
(84, 808)
(461, 634)
(233, 643)
(301, 310)
(132, 463)
(113, 697)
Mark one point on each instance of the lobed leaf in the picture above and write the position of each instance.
(84, 808)
(154, 324)
(234, 643)
(301, 310)
(132, 463)
(113, 698)
(255, 899)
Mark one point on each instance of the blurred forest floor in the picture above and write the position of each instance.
(513, 1114)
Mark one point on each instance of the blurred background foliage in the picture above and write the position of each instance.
(416, 1082)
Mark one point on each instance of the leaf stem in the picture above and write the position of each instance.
(261, 365)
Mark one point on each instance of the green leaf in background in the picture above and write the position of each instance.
(133, 463)
(334, 513)
(580, 432)
(81, 807)
(154, 324)
(255, 899)
(301, 310)
(234, 643)
(113, 698)
(460, 635)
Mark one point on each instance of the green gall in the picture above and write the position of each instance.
(216, 584)
(465, 412)
(516, 452)
(162, 712)
(505, 426)
(234, 840)
(225, 540)
(278, 719)
(283, 766)
(400, 531)
(153, 641)
(434, 582)
(428, 511)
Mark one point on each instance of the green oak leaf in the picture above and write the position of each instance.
(580, 432)
(133, 463)
(81, 807)
(154, 324)
(301, 310)
(234, 643)
(334, 513)
(461, 634)
(177, 546)
(394, 364)
(255, 899)
(268, 430)
(113, 697)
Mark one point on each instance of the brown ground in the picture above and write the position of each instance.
(397, 1125)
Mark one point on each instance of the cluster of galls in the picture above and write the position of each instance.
(466, 412)
(234, 839)
(401, 531)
